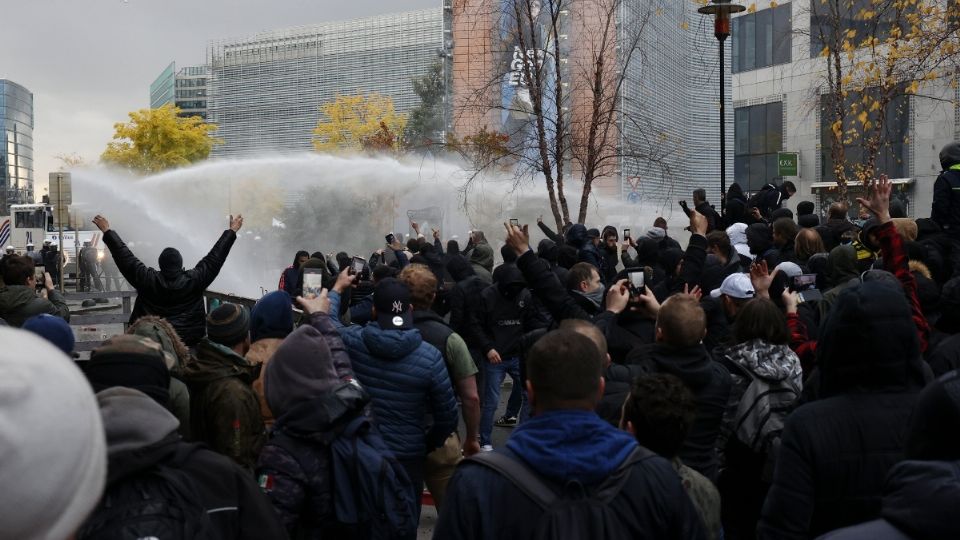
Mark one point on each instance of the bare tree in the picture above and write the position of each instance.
(555, 88)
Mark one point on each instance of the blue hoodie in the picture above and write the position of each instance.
(571, 445)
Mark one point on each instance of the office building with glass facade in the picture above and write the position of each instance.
(781, 104)
(186, 88)
(667, 119)
(16, 145)
(266, 90)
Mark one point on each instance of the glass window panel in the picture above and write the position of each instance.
(758, 172)
(774, 127)
(782, 34)
(764, 37)
(749, 60)
(758, 121)
(742, 131)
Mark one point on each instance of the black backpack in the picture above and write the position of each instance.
(568, 514)
(158, 502)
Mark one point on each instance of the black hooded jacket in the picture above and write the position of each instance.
(172, 293)
(920, 501)
(946, 192)
(710, 383)
(836, 451)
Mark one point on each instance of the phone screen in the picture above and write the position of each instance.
(390, 238)
(636, 282)
(356, 265)
(514, 222)
(312, 282)
(626, 234)
(804, 282)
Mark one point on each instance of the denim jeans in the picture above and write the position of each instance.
(493, 379)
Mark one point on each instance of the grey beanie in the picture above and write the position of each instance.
(51, 438)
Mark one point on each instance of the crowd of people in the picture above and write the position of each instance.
(782, 376)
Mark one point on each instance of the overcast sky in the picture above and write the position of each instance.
(90, 62)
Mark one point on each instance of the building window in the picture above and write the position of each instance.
(866, 18)
(762, 39)
(891, 158)
(758, 134)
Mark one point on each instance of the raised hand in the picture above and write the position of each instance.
(415, 226)
(236, 223)
(695, 292)
(344, 280)
(761, 278)
(518, 239)
(101, 223)
(698, 223)
(878, 198)
(320, 304)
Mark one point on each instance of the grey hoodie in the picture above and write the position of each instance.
(133, 420)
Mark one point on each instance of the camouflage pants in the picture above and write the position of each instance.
(439, 467)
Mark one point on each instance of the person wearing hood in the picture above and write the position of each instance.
(480, 256)
(679, 351)
(586, 241)
(760, 242)
(609, 251)
(19, 300)
(224, 409)
(464, 303)
(946, 202)
(288, 279)
(549, 251)
(566, 444)
(176, 356)
(404, 375)
(142, 438)
(172, 292)
(922, 493)
(735, 210)
(312, 403)
(836, 450)
(761, 351)
(842, 272)
(806, 219)
(271, 320)
(54, 450)
(505, 314)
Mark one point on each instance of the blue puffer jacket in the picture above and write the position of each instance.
(406, 379)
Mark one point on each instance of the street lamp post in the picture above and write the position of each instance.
(721, 10)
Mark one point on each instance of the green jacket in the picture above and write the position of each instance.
(19, 302)
(224, 410)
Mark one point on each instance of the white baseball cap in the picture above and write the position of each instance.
(735, 286)
(791, 269)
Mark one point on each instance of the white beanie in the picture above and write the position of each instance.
(53, 447)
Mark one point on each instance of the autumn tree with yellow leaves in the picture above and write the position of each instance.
(359, 122)
(155, 140)
(877, 53)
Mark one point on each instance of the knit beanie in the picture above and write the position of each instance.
(933, 431)
(228, 325)
(805, 208)
(170, 260)
(53, 329)
(51, 438)
(656, 233)
(132, 362)
(272, 317)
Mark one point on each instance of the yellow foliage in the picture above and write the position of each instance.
(348, 120)
(158, 139)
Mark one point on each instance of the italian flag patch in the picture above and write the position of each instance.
(266, 482)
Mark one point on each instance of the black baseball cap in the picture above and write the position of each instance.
(391, 298)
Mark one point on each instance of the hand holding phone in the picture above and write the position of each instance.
(635, 282)
(514, 222)
(356, 265)
(626, 234)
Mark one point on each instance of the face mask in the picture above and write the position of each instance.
(595, 295)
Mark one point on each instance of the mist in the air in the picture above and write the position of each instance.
(314, 202)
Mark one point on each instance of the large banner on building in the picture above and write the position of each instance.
(528, 56)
